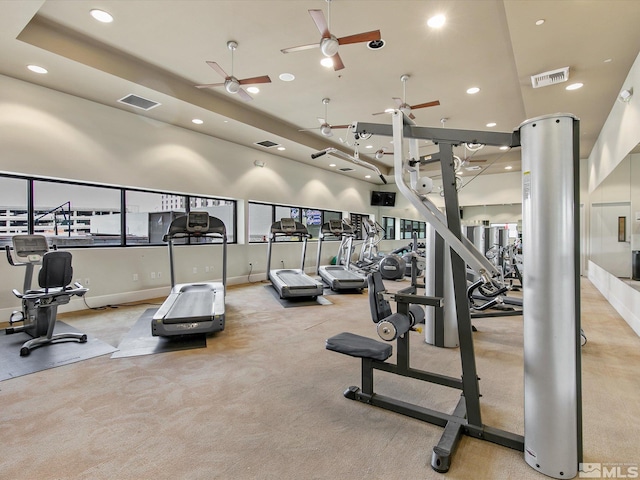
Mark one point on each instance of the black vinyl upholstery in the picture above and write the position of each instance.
(359, 346)
(56, 271)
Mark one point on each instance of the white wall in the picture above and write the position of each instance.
(52, 134)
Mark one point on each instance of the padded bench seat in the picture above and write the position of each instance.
(359, 346)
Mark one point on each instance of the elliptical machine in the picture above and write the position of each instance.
(40, 306)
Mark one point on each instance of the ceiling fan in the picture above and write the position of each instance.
(403, 106)
(231, 84)
(325, 127)
(329, 43)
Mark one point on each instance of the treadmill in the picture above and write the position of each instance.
(291, 282)
(339, 277)
(193, 308)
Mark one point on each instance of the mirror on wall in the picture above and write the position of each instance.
(614, 226)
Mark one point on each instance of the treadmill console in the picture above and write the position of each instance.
(198, 222)
(335, 226)
(288, 225)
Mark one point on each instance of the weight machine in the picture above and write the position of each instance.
(552, 441)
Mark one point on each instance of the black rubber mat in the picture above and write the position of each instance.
(139, 340)
(50, 356)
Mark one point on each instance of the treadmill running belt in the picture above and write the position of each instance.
(342, 274)
(195, 304)
(297, 280)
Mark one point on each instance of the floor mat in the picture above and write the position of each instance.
(139, 340)
(297, 302)
(62, 353)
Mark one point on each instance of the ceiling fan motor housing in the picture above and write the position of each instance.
(329, 46)
(232, 85)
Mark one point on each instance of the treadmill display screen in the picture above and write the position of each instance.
(198, 222)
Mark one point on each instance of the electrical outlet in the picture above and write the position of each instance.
(86, 281)
(159, 274)
(195, 269)
(206, 269)
(135, 277)
(153, 275)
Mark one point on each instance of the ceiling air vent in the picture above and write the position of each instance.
(550, 78)
(267, 144)
(347, 169)
(139, 102)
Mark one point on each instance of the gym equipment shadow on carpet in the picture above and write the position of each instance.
(297, 301)
(139, 340)
(49, 356)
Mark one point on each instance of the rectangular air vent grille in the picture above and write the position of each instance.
(347, 169)
(139, 102)
(267, 144)
(550, 78)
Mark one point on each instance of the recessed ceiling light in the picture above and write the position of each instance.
(253, 90)
(436, 21)
(332, 164)
(287, 77)
(574, 86)
(326, 62)
(37, 69)
(281, 148)
(608, 60)
(101, 16)
(367, 176)
(508, 167)
(197, 121)
(504, 147)
(540, 22)
(491, 124)
(225, 121)
(473, 90)
(369, 146)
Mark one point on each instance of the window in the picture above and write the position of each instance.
(149, 215)
(13, 208)
(80, 214)
(389, 225)
(76, 215)
(407, 227)
(262, 215)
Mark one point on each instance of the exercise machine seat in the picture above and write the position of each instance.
(359, 346)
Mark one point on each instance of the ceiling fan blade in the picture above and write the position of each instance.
(360, 37)
(254, 80)
(428, 104)
(209, 85)
(244, 95)
(309, 129)
(218, 69)
(321, 121)
(321, 22)
(300, 48)
(398, 101)
(480, 160)
(340, 126)
(337, 62)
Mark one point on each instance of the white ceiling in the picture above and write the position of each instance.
(158, 49)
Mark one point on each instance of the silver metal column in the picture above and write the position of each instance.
(551, 295)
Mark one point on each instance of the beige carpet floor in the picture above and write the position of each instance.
(264, 401)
